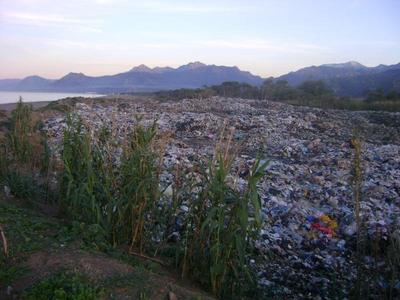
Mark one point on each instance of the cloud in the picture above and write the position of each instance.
(52, 20)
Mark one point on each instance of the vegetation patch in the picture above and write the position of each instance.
(63, 286)
(313, 93)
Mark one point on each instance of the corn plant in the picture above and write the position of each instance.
(120, 197)
(220, 228)
(78, 186)
(139, 191)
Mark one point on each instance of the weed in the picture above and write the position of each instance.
(26, 231)
(20, 132)
(63, 286)
(357, 181)
(3, 159)
(23, 152)
(10, 273)
(377, 255)
(22, 186)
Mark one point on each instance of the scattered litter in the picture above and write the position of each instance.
(307, 201)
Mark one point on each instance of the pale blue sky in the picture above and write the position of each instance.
(97, 37)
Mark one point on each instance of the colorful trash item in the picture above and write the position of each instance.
(331, 223)
(323, 224)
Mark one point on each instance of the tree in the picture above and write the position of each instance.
(315, 88)
(376, 95)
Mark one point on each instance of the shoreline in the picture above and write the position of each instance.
(8, 99)
(37, 104)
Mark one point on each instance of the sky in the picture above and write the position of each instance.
(51, 38)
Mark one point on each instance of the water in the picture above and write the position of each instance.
(12, 97)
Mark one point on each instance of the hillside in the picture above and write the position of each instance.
(356, 86)
(349, 79)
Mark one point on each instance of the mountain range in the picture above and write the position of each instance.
(346, 79)
(349, 79)
(138, 79)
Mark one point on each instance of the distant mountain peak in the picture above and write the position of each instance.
(74, 75)
(349, 64)
(192, 66)
(141, 68)
(34, 81)
(34, 77)
(348, 79)
(162, 69)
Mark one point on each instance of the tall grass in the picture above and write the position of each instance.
(85, 184)
(23, 155)
(377, 255)
(217, 230)
(4, 162)
(21, 132)
(98, 190)
(78, 180)
(357, 181)
(221, 226)
(139, 191)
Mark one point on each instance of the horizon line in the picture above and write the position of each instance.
(205, 64)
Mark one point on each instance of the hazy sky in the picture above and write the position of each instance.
(51, 38)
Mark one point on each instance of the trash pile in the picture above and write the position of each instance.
(309, 234)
